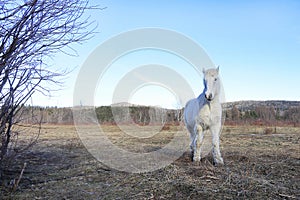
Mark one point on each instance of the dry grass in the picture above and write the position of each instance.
(257, 165)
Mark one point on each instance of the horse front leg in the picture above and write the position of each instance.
(197, 143)
(215, 131)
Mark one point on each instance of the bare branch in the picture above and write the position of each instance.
(30, 33)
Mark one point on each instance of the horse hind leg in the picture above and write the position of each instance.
(192, 150)
(192, 139)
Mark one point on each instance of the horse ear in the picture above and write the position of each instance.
(218, 68)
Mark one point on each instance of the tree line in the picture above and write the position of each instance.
(143, 115)
(263, 115)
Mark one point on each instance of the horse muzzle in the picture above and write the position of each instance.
(209, 97)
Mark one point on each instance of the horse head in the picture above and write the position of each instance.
(211, 83)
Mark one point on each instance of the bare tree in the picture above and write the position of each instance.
(266, 113)
(31, 32)
(235, 113)
(292, 115)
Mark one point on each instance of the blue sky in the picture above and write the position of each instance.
(256, 44)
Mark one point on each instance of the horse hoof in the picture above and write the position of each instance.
(218, 163)
(196, 159)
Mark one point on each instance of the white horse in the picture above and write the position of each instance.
(203, 114)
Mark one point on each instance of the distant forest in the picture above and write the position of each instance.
(278, 113)
(262, 113)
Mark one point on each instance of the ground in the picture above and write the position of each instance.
(258, 165)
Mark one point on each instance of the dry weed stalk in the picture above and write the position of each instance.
(16, 182)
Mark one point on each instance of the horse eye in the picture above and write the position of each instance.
(216, 79)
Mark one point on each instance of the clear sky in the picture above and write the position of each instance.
(256, 44)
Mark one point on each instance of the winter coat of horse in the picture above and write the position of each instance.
(203, 115)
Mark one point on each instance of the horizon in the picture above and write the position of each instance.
(121, 104)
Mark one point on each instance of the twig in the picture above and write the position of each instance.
(288, 196)
(19, 179)
(209, 177)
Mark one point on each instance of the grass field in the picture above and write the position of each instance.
(257, 165)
